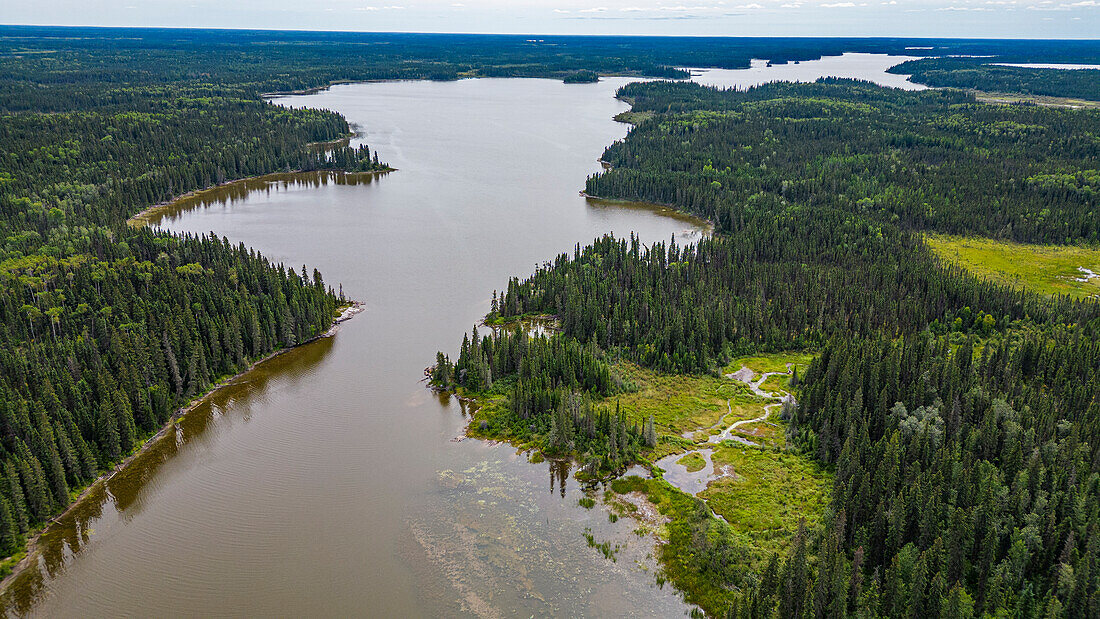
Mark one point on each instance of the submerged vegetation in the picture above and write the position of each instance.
(943, 455)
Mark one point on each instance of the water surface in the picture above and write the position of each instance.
(870, 67)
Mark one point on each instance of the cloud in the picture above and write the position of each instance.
(561, 11)
(838, 5)
(749, 6)
(595, 9)
(679, 8)
(379, 8)
(963, 8)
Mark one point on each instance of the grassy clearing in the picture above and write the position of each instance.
(693, 462)
(633, 118)
(771, 362)
(766, 433)
(1015, 98)
(1046, 269)
(740, 408)
(775, 384)
(766, 493)
(682, 403)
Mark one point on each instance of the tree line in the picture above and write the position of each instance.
(983, 74)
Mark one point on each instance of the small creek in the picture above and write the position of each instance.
(694, 482)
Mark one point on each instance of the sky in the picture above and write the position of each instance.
(904, 18)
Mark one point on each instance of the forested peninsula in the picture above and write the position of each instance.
(109, 330)
(958, 419)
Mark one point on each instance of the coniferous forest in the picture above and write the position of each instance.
(961, 418)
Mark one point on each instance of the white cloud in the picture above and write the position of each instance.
(838, 5)
(595, 9)
(678, 8)
(749, 6)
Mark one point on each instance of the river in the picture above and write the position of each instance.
(329, 481)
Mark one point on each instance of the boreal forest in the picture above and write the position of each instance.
(957, 418)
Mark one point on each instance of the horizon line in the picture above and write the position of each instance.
(548, 34)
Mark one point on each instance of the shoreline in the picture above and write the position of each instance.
(316, 89)
(461, 76)
(141, 218)
(31, 546)
(667, 210)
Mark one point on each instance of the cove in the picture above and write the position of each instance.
(329, 481)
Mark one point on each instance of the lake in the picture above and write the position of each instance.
(329, 480)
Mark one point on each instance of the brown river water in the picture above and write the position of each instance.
(329, 481)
